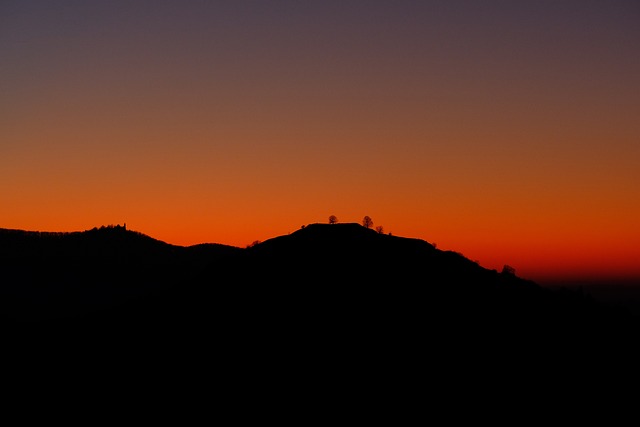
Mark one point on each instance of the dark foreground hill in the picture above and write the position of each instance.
(321, 288)
(335, 311)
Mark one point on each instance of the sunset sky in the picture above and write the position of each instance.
(508, 131)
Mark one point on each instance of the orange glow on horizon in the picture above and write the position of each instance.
(508, 133)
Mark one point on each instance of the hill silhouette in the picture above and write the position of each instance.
(50, 276)
(342, 282)
(329, 311)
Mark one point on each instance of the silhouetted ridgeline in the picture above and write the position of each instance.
(342, 280)
(49, 275)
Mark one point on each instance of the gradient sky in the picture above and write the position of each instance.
(508, 131)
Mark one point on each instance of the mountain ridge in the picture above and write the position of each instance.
(113, 275)
(325, 304)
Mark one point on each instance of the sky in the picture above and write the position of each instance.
(506, 131)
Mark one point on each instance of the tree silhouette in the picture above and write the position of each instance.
(379, 229)
(333, 219)
(367, 221)
(507, 269)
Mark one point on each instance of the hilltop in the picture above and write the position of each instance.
(329, 306)
(321, 277)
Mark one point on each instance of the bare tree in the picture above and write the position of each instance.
(379, 229)
(367, 221)
(333, 219)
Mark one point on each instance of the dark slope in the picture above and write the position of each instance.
(364, 273)
(334, 312)
(342, 281)
(49, 276)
